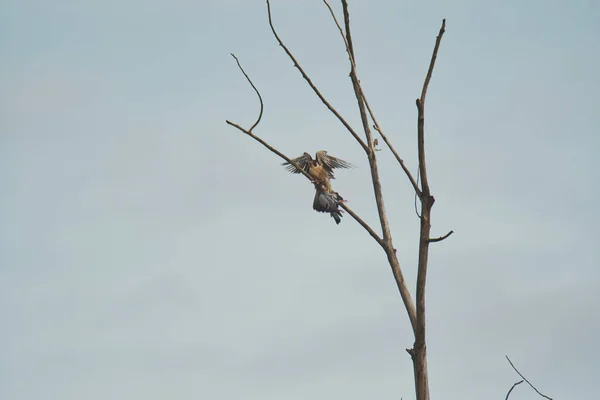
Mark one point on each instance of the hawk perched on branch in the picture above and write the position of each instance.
(320, 169)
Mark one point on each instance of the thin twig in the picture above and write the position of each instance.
(271, 148)
(376, 125)
(439, 239)
(511, 389)
(341, 32)
(360, 97)
(416, 208)
(255, 89)
(364, 225)
(432, 63)
(312, 85)
(525, 379)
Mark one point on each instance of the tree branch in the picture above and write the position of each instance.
(341, 33)
(248, 132)
(358, 219)
(312, 85)
(371, 232)
(420, 352)
(427, 199)
(511, 389)
(439, 239)
(387, 238)
(421, 113)
(525, 379)
(255, 89)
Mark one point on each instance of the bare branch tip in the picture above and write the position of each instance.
(511, 389)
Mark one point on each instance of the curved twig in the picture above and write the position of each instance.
(255, 89)
(511, 389)
(312, 85)
(439, 239)
(525, 379)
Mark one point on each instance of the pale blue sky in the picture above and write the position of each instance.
(150, 251)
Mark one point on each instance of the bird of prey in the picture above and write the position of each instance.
(320, 169)
(327, 201)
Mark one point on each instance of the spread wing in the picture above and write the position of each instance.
(303, 162)
(329, 162)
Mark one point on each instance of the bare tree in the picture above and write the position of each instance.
(416, 313)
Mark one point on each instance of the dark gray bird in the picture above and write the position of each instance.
(327, 201)
(320, 169)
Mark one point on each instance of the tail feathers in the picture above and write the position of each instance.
(337, 216)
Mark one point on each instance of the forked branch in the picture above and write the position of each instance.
(376, 125)
(525, 379)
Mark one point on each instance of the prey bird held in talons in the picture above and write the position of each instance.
(320, 170)
(327, 201)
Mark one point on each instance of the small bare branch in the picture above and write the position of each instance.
(364, 225)
(421, 113)
(341, 32)
(312, 85)
(271, 148)
(432, 63)
(439, 239)
(360, 97)
(255, 89)
(525, 379)
(511, 389)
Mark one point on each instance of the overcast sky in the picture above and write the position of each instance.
(150, 251)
